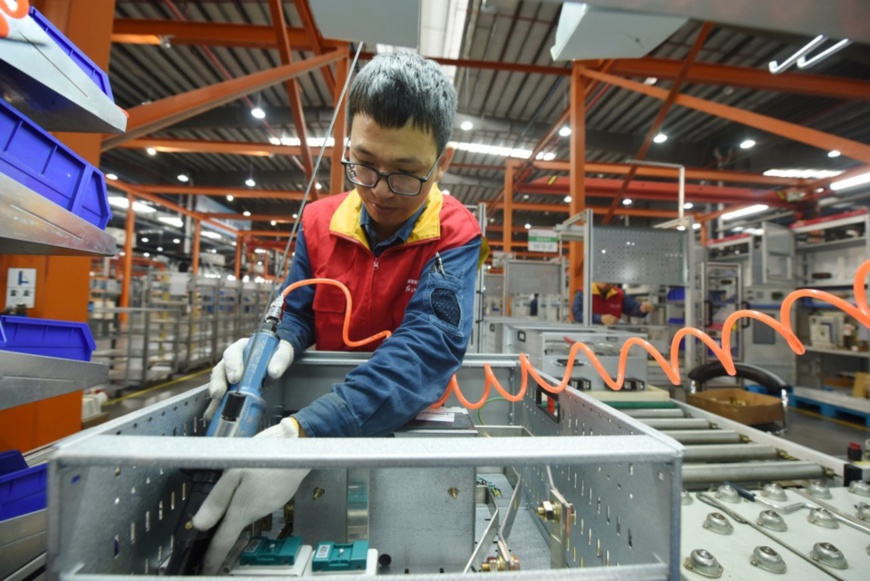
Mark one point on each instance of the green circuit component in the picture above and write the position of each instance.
(340, 557)
(262, 551)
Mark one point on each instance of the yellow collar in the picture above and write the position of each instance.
(597, 291)
(346, 219)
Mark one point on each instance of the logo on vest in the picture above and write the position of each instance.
(411, 285)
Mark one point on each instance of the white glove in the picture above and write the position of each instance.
(229, 370)
(242, 496)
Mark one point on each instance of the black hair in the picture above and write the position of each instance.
(396, 88)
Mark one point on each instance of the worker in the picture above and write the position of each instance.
(409, 255)
(609, 304)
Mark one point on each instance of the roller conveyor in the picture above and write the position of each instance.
(686, 437)
(728, 452)
(714, 455)
(694, 474)
(654, 413)
(676, 423)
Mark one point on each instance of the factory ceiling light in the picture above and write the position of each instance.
(748, 211)
(858, 180)
(138, 207)
(834, 153)
(172, 221)
(747, 143)
(660, 138)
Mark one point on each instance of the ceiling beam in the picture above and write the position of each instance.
(143, 31)
(749, 78)
(280, 218)
(793, 131)
(315, 39)
(691, 173)
(226, 147)
(222, 192)
(276, 8)
(703, 73)
(146, 119)
(139, 192)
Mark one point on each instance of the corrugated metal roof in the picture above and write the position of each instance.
(524, 103)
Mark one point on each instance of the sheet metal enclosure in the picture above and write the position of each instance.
(549, 350)
(121, 481)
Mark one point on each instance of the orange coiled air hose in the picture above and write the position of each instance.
(860, 311)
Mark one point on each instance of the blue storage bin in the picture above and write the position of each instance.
(64, 339)
(22, 490)
(37, 160)
(677, 294)
(94, 73)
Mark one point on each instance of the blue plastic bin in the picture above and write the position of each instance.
(94, 73)
(22, 489)
(64, 339)
(37, 160)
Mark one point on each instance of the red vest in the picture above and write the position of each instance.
(380, 287)
(610, 305)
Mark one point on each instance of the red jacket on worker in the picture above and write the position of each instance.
(381, 286)
(611, 304)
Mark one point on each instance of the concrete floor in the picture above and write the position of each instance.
(826, 435)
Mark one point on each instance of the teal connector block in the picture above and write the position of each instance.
(262, 551)
(340, 557)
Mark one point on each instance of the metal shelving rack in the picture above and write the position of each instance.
(41, 77)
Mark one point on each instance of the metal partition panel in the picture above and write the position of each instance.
(639, 255)
(777, 254)
(527, 277)
(122, 482)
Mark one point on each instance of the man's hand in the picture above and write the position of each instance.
(229, 370)
(609, 320)
(242, 496)
(647, 307)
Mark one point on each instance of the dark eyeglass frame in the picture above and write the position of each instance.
(348, 167)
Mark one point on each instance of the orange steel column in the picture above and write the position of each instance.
(240, 241)
(124, 300)
(510, 167)
(336, 171)
(62, 283)
(197, 231)
(508, 209)
(577, 176)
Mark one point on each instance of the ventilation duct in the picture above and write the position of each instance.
(588, 32)
(392, 22)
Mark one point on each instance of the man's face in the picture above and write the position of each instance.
(406, 150)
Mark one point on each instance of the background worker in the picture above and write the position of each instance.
(408, 255)
(609, 304)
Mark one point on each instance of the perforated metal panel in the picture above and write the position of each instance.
(527, 277)
(639, 255)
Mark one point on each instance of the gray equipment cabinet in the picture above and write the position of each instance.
(606, 487)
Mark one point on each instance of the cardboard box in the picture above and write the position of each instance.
(837, 383)
(739, 405)
(861, 386)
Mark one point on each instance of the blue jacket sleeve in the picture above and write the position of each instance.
(410, 370)
(631, 307)
(577, 309)
(297, 324)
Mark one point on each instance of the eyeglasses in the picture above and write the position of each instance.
(403, 184)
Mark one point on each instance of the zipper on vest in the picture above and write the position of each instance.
(377, 260)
